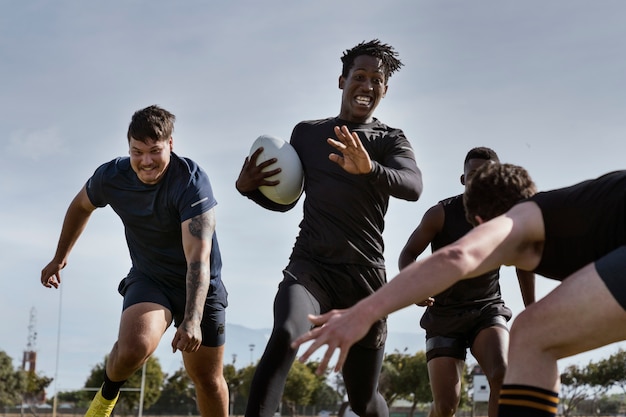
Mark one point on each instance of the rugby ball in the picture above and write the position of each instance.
(291, 176)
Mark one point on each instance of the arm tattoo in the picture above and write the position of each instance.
(196, 271)
(202, 226)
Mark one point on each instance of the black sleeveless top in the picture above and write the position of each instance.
(472, 293)
(582, 223)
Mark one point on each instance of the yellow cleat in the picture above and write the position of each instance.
(101, 407)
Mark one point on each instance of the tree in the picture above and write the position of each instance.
(405, 377)
(233, 380)
(35, 391)
(178, 395)
(245, 375)
(414, 379)
(299, 387)
(129, 400)
(573, 389)
(323, 396)
(612, 371)
(12, 383)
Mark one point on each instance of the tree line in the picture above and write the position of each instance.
(404, 376)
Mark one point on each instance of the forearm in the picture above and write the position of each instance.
(415, 283)
(74, 224)
(404, 182)
(258, 197)
(526, 282)
(405, 259)
(198, 281)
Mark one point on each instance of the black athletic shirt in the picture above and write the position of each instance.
(152, 217)
(344, 213)
(464, 294)
(582, 223)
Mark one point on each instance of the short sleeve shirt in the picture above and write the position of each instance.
(152, 215)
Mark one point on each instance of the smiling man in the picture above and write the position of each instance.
(167, 207)
(353, 164)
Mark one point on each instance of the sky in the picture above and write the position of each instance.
(541, 82)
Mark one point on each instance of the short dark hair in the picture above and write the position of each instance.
(377, 49)
(494, 189)
(482, 152)
(151, 124)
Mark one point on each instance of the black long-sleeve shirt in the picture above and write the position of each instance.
(344, 213)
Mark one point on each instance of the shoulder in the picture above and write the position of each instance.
(186, 167)
(387, 139)
(435, 215)
(318, 122)
(315, 124)
(110, 169)
(457, 199)
(386, 130)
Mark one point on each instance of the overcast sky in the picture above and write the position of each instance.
(541, 82)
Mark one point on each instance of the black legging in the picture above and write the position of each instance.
(360, 372)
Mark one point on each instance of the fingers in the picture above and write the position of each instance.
(185, 346)
(348, 139)
(185, 342)
(252, 176)
(255, 155)
(320, 338)
(49, 279)
(317, 343)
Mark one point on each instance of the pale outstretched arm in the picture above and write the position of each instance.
(485, 248)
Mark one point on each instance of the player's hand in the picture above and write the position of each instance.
(252, 175)
(426, 303)
(338, 329)
(188, 337)
(354, 158)
(51, 274)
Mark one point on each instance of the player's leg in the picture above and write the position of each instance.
(579, 315)
(205, 368)
(445, 374)
(361, 372)
(292, 305)
(490, 348)
(141, 327)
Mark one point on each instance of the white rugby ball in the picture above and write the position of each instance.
(291, 176)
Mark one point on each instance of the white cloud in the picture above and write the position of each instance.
(36, 145)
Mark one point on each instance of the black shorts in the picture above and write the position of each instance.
(611, 268)
(139, 289)
(450, 335)
(341, 286)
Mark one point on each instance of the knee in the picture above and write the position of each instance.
(520, 333)
(207, 381)
(130, 356)
(285, 335)
(444, 408)
(496, 376)
(369, 407)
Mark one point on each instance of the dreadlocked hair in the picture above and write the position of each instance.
(494, 189)
(374, 48)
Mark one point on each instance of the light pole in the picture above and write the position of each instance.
(251, 353)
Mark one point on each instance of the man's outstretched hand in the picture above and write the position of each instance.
(354, 158)
(338, 329)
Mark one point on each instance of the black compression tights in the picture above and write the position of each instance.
(361, 370)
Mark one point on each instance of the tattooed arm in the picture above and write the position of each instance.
(197, 233)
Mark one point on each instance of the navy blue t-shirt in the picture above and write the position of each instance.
(152, 215)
